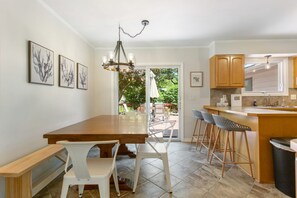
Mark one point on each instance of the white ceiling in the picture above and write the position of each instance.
(177, 22)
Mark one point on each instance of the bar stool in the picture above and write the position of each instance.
(208, 136)
(230, 127)
(199, 119)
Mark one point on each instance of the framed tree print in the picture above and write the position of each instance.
(196, 79)
(66, 72)
(82, 76)
(41, 64)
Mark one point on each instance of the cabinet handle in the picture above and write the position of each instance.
(296, 80)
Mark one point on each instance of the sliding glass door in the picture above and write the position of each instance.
(151, 90)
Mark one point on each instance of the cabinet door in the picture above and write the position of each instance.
(222, 71)
(236, 71)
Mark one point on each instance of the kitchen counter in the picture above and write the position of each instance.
(285, 108)
(254, 111)
(265, 124)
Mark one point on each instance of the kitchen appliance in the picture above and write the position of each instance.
(236, 100)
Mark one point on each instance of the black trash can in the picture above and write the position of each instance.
(284, 165)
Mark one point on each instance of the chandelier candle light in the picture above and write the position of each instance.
(267, 66)
(113, 61)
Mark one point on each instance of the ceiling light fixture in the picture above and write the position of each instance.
(267, 66)
(114, 62)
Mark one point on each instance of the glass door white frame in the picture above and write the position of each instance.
(147, 68)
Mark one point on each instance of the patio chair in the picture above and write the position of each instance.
(160, 109)
(125, 107)
(155, 147)
(89, 170)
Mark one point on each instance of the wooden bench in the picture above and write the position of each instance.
(18, 174)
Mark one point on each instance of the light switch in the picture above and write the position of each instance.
(293, 96)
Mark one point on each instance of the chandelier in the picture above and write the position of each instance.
(114, 61)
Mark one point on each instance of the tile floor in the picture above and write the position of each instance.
(191, 177)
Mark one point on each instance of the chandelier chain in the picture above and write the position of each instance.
(131, 36)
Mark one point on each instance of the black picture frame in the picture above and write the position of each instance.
(196, 79)
(41, 64)
(82, 76)
(66, 72)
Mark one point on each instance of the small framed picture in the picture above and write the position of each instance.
(66, 72)
(196, 79)
(82, 76)
(41, 64)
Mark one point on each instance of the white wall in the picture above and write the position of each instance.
(254, 47)
(27, 111)
(193, 59)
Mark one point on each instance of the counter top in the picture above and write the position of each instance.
(252, 111)
(285, 108)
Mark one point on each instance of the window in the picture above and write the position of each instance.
(259, 79)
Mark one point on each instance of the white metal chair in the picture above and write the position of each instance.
(155, 147)
(89, 170)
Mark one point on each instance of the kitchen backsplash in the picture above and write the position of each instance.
(216, 94)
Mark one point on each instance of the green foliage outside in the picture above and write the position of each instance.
(132, 87)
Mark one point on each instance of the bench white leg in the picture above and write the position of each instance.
(20, 187)
(81, 190)
(167, 172)
(137, 170)
(104, 188)
(65, 187)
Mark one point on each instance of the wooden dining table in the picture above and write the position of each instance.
(126, 129)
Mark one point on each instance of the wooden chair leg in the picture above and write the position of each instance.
(231, 151)
(203, 137)
(233, 145)
(194, 132)
(248, 152)
(210, 140)
(199, 131)
(225, 153)
(214, 145)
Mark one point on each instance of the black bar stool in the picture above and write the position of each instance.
(230, 127)
(197, 134)
(208, 136)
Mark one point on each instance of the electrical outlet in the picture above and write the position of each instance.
(293, 96)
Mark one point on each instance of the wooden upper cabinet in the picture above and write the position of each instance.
(227, 71)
